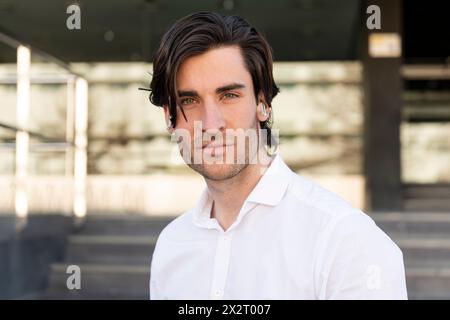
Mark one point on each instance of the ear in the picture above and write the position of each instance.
(167, 116)
(261, 107)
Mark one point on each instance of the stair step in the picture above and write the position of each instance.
(421, 295)
(424, 191)
(426, 263)
(127, 250)
(114, 254)
(101, 281)
(423, 243)
(118, 225)
(428, 282)
(419, 247)
(8, 226)
(428, 223)
(427, 204)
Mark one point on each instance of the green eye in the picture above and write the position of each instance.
(230, 95)
(187, 101)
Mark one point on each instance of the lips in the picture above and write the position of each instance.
(215, 146)
(216, 149)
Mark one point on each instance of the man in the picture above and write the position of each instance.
(259, 231)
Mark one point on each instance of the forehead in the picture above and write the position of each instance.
(212, 69)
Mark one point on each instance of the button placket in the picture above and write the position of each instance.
(221, 264)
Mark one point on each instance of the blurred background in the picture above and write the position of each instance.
(89, 176)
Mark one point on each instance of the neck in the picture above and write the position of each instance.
(229, 195)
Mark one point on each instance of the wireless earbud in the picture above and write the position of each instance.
(263, 109)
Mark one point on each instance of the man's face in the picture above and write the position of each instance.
(215, 91)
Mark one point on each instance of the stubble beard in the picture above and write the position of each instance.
(223, 170)
(220, 171)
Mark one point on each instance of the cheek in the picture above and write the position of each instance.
(184, 134)
(242, 116)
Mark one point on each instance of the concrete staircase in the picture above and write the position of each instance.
(114, 255)
(425, 241)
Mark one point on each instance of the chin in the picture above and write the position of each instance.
(218, 172)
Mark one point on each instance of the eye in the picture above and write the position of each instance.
(230, 95)
(187, 101)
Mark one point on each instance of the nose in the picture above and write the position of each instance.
(212, 118)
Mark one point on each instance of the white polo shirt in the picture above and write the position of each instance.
(292, 239)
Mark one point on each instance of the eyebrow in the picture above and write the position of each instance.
(228, 87)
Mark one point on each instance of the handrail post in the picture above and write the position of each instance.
(80, 160)
(22, 137)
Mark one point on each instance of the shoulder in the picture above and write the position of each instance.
(334, 218)
(359, 232)
(358, 260)
(318, 199)
(309, 204)
(352, 256)
(169, 239)
(178, 228)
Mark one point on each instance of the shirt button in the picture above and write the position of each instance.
(217, 293)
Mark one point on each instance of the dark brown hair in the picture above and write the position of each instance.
(200, 32)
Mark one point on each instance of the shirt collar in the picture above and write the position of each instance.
(202, 210)
(269, 190)
(273, 184)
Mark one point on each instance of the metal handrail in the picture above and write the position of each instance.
(14, 42)
(34, 134)
(77, 147)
